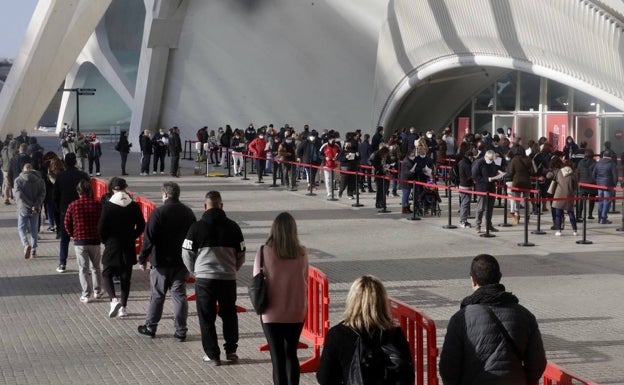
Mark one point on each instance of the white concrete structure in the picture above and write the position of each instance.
(330, 63)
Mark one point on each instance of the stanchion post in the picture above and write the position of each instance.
(449, 225)
(526, 242)
(414, 217)
(311, 182)
(357, 190)
(505, 224)
(227, 162)
(487, 215)
(383, 196)
(538, 230)
(584, 241)
(245, 167)
(331, 182)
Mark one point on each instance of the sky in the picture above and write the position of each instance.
(14, 20)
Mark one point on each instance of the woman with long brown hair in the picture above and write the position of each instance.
(285, 264)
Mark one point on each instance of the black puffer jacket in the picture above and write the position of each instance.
(585, 170)
(475, 351)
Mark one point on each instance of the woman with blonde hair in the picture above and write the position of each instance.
(367, 316)
(285, 264)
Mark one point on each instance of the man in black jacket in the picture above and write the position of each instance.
(65, 193)
(175, 148)
(492, 339)
(483, 173)
(165, 231)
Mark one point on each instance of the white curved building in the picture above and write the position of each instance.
(538, 68)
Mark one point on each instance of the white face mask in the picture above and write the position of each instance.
(311, 138)
(261, 136)
(288, 140)
(488, 161)
(429, 136)
(422, 156)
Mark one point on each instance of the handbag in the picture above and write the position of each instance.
(552, 187)
(257, 288)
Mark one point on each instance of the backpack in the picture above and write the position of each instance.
(377, 361)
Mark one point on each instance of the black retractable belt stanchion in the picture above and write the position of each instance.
(526, 224)
(538, 230)
(613, 210)
(505, 224)
(331, 183)
(311, 183)
(357, 190)
(487, 215)
(584, 241)
(449, 225)
(415, 216)
(383, 196)
(245, 167)
(227, 162)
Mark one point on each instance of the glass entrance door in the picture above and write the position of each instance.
(506, 122)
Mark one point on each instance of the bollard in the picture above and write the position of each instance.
(487, 215)
(538, 230)
(449, 225)
(505, 224)
(357, 190)
(526, 242)
(584, 241)
(414, 217)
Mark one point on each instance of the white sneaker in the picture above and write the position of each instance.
(122, 312)
(114, 308)
(558, 234)
(162, 173)
(98, 294)
(574, 233)
(85, 299)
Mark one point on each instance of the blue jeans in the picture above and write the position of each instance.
(604, 204)
(28, 223)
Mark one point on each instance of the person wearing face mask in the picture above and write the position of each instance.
(570, 149)
(483, 172)
(237, 144)
(432, 144)
(421, 170)
(309, 154)
(160, 142)
(330, 152)
(464, 166)
(258, 149)
(286, 154)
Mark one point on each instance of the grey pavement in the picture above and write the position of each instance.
(49, 337)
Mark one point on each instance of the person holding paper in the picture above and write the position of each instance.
(484, 174)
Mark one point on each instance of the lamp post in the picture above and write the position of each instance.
(79, 92)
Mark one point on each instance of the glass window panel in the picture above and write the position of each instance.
(610, 108)
(557, 96)
(614, 133)
(483, 122)
(506, 92)
(584, 102)
(527, 128)
(485, 100)
(529, 92)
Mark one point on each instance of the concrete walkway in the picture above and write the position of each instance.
(49, 337)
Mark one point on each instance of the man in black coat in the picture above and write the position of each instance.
(492, 339)
(120, 225)
(64, 194)
(483, 172)
(175, 148)
(165, 231)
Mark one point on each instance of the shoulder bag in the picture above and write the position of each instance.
(257, 288)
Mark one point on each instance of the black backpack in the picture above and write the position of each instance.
(377, 361)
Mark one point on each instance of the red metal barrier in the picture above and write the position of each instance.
(316, 323)
(554, 375)
(99, 188)
(420, 331)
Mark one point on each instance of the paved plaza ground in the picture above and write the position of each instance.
(49, 337)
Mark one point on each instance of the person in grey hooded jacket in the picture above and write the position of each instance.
(214, 251)
(29, 190)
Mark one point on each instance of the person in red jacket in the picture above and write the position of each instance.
(81, 224)
(258, 148)
(330, 152)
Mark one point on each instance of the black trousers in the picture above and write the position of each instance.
(283, 339)
(125, 275)
(211, 292)
(159, 157)
(261, 167)
(124, 159)
(175, 164)
(145, 162)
